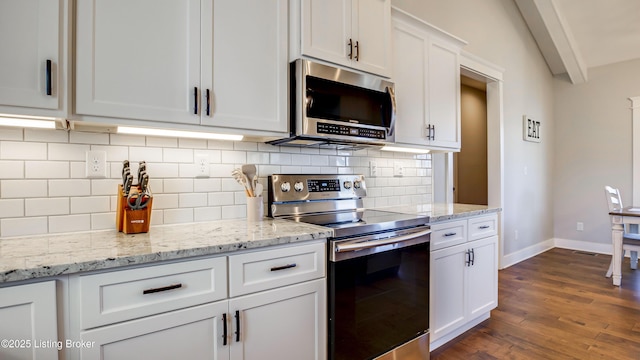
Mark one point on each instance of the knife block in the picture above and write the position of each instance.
(131, 221)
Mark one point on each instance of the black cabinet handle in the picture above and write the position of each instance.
(161, 289)
(195, 100)
(47, 78)
(208, 98)
(449, 234)
(237, 326)
(467, 258)
(473, 257)
(433, 132)
(284, 267)
(484, 227)
(357, 51)
(350, 49)
(224, 329)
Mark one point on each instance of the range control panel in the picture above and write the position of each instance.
(346, 130)
(289, 187)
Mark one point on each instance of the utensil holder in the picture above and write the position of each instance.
(255, 209)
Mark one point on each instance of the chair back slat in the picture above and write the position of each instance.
(613, 198)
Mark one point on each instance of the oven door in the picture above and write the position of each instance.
(379, 295)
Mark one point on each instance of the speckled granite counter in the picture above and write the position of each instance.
(50, 255)
(444, 212)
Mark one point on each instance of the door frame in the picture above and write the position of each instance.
(491, 74)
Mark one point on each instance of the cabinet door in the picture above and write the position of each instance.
(30, 34)
(288, 323)
(138, 59)
(482, 277)
(410, 51)
(372, 31)
(447, 307)
(326, 30)
(28, 319)
(194, 333)
(249, 73)
(444, 95)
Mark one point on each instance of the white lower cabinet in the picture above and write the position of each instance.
(32, 314)
(275, 308)
(464, 277)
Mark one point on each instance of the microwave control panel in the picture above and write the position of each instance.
(346, 130)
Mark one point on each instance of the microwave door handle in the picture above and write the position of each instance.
(392, 98)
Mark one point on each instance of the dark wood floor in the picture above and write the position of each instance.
(557, 305)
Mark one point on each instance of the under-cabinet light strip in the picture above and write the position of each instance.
(177, 133)
(29, 122)
(404, 149)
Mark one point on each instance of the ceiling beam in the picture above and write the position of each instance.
(554, 38)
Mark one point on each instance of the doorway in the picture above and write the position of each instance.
(470, 182)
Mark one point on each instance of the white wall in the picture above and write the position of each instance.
(593, 131)
(497, 33)
(43, 188)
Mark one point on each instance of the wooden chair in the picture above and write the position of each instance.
(630, 241)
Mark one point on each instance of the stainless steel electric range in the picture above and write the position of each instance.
(378, 266)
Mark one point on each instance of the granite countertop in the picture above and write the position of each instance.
(444, 212)
(23, 258)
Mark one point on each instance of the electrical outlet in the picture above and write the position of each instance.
(201, 164)
(580, 226)
(96, 164)
(373, 169)
(398, 169)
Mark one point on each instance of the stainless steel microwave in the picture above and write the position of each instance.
(330, 105)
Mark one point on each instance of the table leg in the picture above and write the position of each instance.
(616, 236)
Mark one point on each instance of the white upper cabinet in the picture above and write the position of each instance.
(353, 33)
(426, 73)
(138, 59)
(32, 73)
(221, 63)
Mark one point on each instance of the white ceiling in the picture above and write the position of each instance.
(574, 35)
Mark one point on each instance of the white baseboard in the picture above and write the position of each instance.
(531, 251)
(459, 331)
(526, 253)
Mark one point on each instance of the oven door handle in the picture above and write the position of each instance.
(355, 246)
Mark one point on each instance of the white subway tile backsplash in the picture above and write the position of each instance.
(105, 186)
(11, 134)
(178, 185)
(126, 140)
(44, 189)
(69, 152)
(23, 226)
(12, 150)
(70, 223)
(207, 185)
(11, 208)
(148, 154)
(176, 216)
(177, 155)
(46, 206)
(70, 187)
(77, 137)
(207, 213)
(103, 221)
(46, 169)
(15, 189)
(90, 204)
(193, 200)
(163, 142)
(192, 143)
(44, 135)
(11, 169)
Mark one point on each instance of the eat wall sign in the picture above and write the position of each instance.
(531, 129)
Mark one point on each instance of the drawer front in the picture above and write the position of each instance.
(262, 270)
(129, 294)
(448, 234)
(482, 227)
